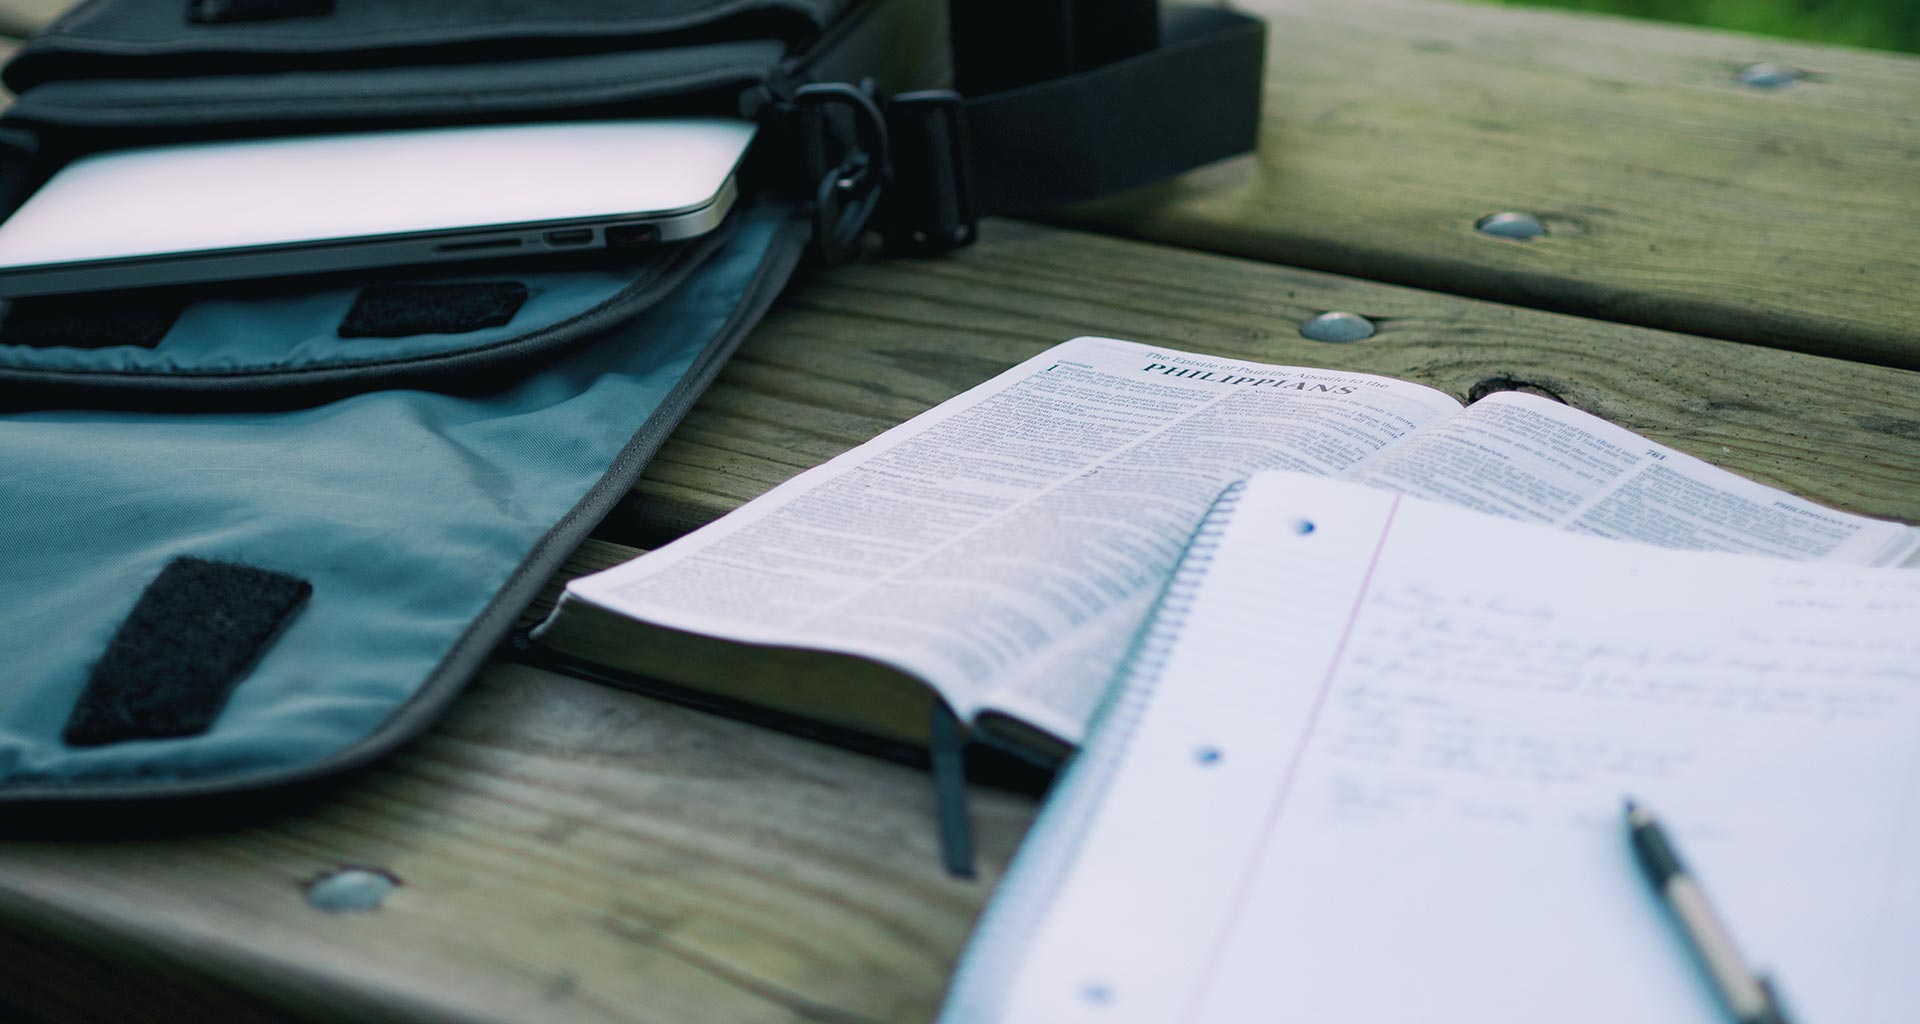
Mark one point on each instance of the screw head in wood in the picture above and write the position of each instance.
(1521, 226)
(351, 889)
(1337, 326)
(1768, 76)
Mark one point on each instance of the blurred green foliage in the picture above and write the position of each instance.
(1884, 24)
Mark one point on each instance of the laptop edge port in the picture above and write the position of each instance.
(621, 235)
(483, 244)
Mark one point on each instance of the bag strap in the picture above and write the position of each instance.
(1086, 112)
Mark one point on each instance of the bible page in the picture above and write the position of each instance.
(1355, 776)
(1534, 459)
(1005, 545)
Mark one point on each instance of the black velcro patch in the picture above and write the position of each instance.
(93, 320)
(401, 310)
(197, 628)
(214, 12)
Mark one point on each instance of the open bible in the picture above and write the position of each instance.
(998, 553)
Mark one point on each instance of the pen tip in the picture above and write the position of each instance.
(1631, 806)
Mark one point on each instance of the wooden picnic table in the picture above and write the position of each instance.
(567, 852)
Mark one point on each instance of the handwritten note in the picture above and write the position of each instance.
(1378, 777)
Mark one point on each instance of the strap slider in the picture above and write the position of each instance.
(845, 147)
(931, 208)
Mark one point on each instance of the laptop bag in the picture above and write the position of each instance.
(258, 534)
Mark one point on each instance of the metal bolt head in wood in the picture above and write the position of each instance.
(1768, 76)
(1337, 326)
(1520, 226)
(351, 889)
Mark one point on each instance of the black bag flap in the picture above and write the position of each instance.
(83, 114)
(163, 38)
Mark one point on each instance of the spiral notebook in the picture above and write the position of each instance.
(1366, 763)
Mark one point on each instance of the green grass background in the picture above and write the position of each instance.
(1884, 24)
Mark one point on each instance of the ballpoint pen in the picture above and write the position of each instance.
(1748, 997)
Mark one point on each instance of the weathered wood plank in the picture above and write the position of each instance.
(567, 853)
(1676, 197)
(22, 18)
(861, 348)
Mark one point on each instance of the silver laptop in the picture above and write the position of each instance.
(223, 211)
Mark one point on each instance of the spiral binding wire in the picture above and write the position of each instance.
(985, 978)
(1139, 675)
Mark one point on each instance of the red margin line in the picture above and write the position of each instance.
(1211, 965)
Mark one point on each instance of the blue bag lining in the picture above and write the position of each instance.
(423, 521)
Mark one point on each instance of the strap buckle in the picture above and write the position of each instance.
(910, 167)
(931, 208)
(845, 147)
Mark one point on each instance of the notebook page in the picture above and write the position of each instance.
(1380, 778)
